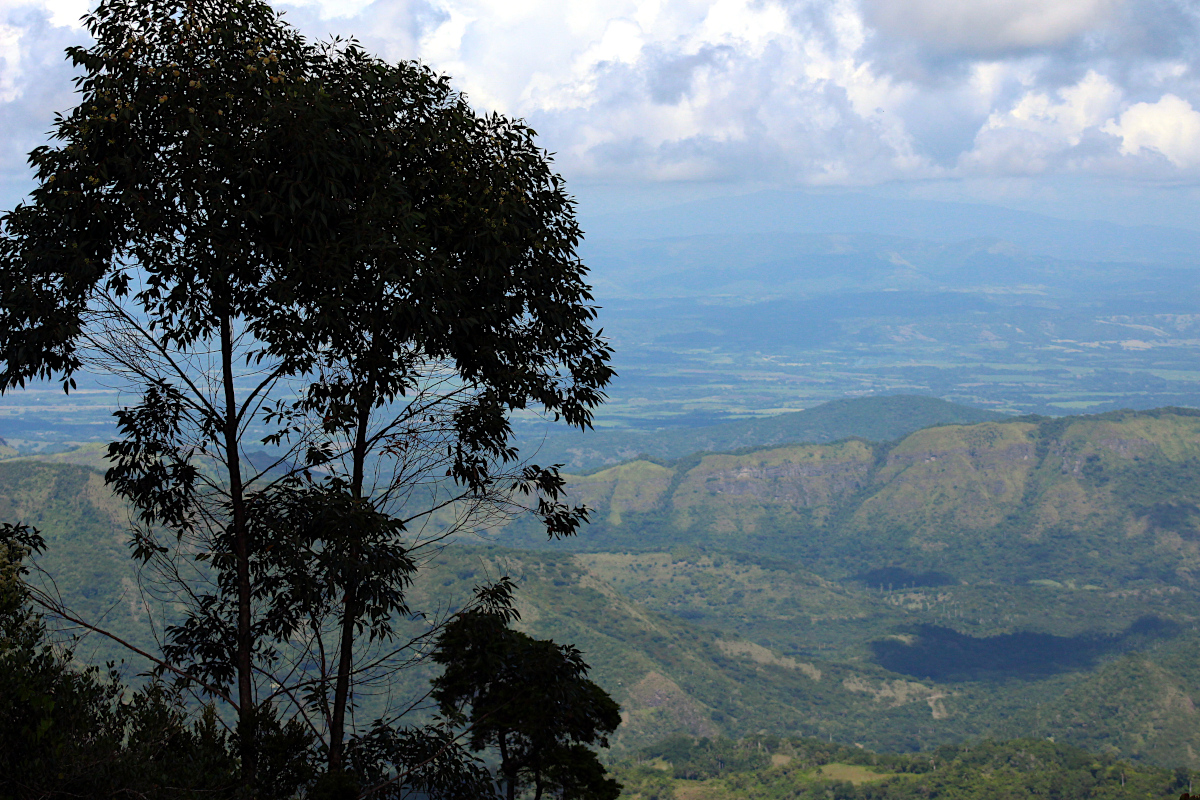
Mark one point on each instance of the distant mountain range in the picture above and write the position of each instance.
(736, 309)
(742, 268)
(805, 212)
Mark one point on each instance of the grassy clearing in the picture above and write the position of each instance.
(852, 773)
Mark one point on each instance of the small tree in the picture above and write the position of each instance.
(71, 732)
(530, 702)
(274, 243)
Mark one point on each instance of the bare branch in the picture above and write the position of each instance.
(46, 602)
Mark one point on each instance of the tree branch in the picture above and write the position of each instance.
(40, 598)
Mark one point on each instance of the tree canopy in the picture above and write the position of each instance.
(530, 701)
(297, 246)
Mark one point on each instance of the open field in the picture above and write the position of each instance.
(715, 328)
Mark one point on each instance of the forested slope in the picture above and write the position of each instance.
(1106, 499)
(775, 768)
(1028, 577)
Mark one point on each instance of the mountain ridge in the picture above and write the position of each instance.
(856, 213)
(875, 418)
(941, 493)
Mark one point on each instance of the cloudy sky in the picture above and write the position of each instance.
(1012, 101)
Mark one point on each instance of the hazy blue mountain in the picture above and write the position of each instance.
(739, 323)
(848, 212)
(748, 267)
(742, 307)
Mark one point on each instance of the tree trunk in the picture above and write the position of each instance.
(341, 692)
(247, 717)
(507, 768)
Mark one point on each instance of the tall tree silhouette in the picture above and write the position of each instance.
(530, 702)
(299, 248)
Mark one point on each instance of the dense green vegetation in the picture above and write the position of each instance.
(71, 730)
(775, 768)
(711, 643)
(931, 647)
(1006, 566)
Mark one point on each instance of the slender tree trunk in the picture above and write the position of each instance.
(341, 691)
(508, 769)
(247, 718)
(353, 607)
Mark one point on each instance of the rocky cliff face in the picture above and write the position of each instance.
(954, 478)
(815, 479)
(1124, 487)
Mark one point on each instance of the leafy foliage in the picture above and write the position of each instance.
(269, 239)
(530, 702)
(69, 732)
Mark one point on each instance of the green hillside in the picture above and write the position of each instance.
(1098, 500)
(879, 419)
(87, 560)
(1026, 577)
(790, 655)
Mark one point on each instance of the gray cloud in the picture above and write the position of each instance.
(669, 76)
(988, 27)
(1151, 29)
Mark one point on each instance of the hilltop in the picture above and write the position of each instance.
(1093, 499)
(879, 419)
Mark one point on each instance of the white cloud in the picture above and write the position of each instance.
(334, 9)
(18, 33)
(683, 88)
(10, 63)
(1059, 120)
(792, 90)
(987, 26)
(1170, 127)
(66, 13)
(775, 91)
